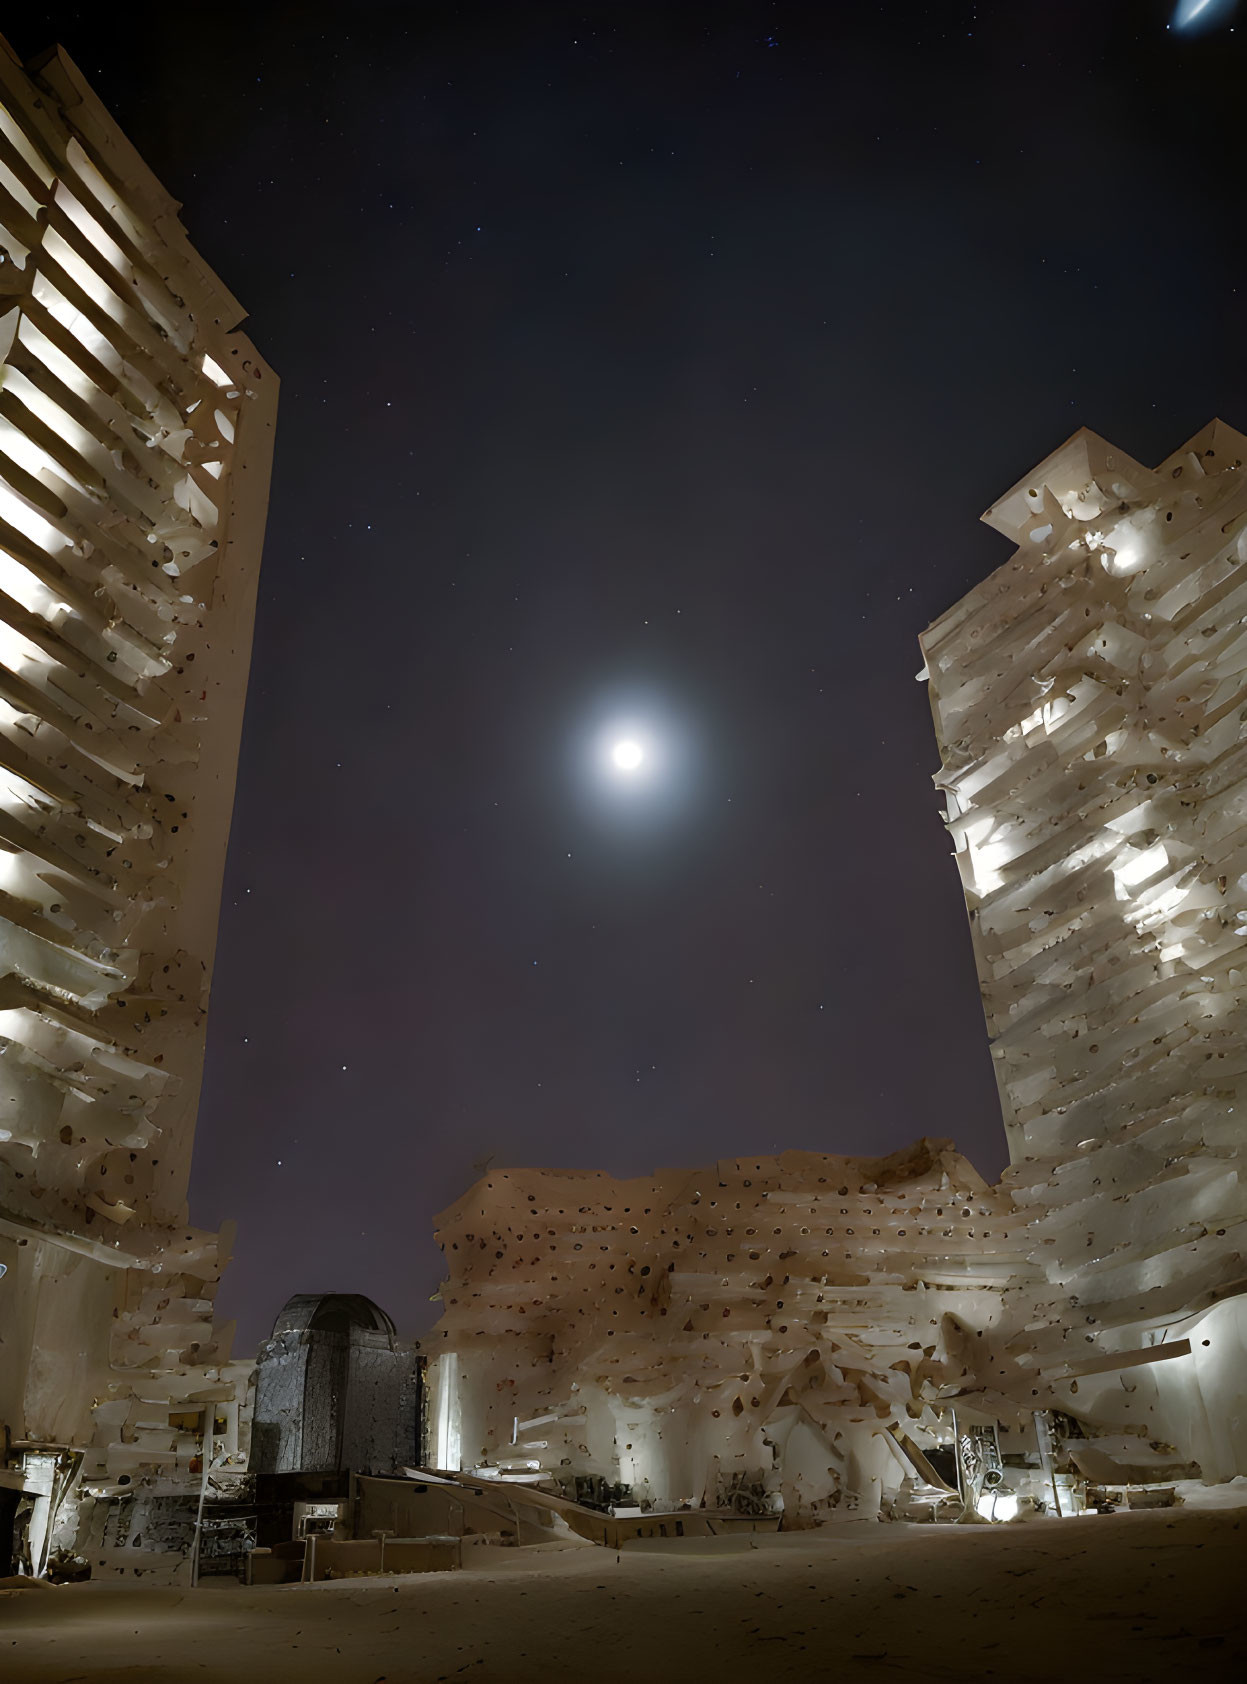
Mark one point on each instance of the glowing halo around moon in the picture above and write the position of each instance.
(638, 762)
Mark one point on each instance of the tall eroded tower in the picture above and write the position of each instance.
(1090, 701)
(136, 429)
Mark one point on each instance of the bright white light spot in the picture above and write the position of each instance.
(1190, 12)
(1119, 563)
(997, 1505)
(1138, 867)
(634, 764)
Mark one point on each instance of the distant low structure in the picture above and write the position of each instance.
(335, 1391)
(337, 1397)
(136, 433)
(892, 1336)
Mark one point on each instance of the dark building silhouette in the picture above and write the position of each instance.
(336, 1391)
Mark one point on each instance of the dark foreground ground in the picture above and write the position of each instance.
(1156, 1596)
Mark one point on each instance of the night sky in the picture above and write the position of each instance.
(643, 366)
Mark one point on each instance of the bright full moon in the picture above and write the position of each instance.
(633, 762)
(627, 755)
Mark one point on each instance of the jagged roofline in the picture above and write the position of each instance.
(920, 1158)
(87, 117)
(1086, 456)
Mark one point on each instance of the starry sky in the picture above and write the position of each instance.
(640, 363)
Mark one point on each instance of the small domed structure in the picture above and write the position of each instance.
(336, 1390)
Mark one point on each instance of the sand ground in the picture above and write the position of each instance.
(1146, 1597)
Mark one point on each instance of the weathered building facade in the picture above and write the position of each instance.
(813, 1330)
(136, 429)
(755, 1334)
(1090, 701)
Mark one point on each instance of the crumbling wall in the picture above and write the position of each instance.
(1090, 700)
(135, 441)
(732, 1335)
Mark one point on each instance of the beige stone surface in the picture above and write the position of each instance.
(756, 1329)
(136, 433)
(1136, 1598)
(1090, 703)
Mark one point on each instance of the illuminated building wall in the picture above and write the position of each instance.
(136, 429)
(1090, 701)
(762, 1331)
